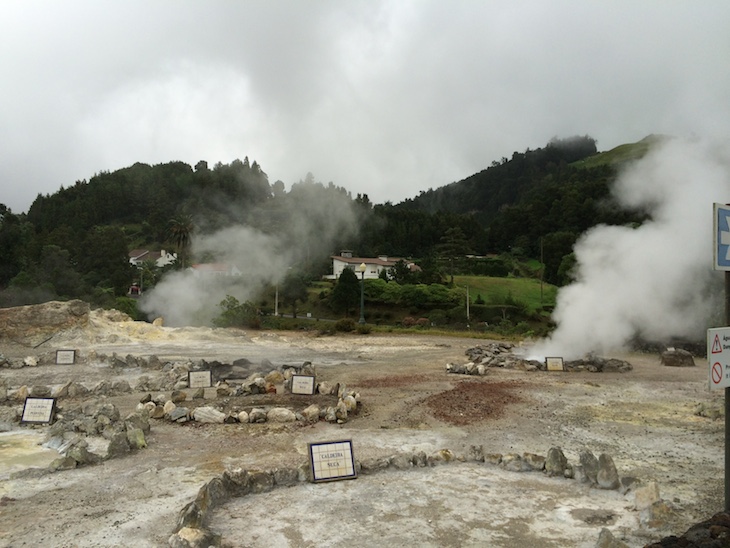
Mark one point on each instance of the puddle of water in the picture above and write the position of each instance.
(20, 450)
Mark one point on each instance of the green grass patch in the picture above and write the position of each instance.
(496, 290)
(621, 154)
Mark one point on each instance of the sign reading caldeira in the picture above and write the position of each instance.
(332, 460)
(199, 379)
(38, 410)
(302, 384)
(65, 357)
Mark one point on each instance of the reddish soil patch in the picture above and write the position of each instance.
(471, 401)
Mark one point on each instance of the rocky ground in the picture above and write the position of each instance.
(659, 424)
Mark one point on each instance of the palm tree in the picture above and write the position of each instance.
(181, 228)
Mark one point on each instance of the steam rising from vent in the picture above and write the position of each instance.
(308, 224)
(655, 281)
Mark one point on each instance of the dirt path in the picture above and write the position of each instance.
(644, 419)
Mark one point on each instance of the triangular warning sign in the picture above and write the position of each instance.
(716, 346)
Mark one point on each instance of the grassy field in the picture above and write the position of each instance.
(495, 290)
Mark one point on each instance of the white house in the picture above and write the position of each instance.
(160, 258)
(373, 265)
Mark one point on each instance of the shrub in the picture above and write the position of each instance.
(345, 325)
(364, 329)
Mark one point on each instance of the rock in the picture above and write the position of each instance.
(401, 462)
(513, 462)
(676, 357)
(77, 390)
(260, 481)
(607, 540)
(135, 438)
(350, 403)
(475, 454)
(280, 414)
(118, 446)
(22, 393)
(178, 396)
(341, 411)
(311, 413)
(243, 417)
(81, 454)
(441, 456)
(646, 495)
(257, 415)
(158, 412)
(199, 394)
(657, 516)
(189, 537)
(275, 377)
(533, 461)
(40, 391)
(169, 407)
(179, 414)
(286, 476)
(325, 388)
(607, 477)
(208, 415)
(63, 463)
(121, 387)
(589, 464)
(103, 388)
(556, 462)
(138, 420)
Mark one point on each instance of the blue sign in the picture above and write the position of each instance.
(722, 237)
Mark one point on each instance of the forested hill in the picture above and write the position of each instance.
(535, 204)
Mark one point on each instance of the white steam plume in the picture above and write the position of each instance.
(656, 280)
(310, 222)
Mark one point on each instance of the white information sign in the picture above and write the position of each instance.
(38, 410)
(65, 357)
(554, 364)
(718, 357)
(332, 460)
(302, 384)
(199, 379)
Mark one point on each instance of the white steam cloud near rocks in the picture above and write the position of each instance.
(310, 222)
(655, 281)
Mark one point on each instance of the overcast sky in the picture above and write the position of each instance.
(387, 98)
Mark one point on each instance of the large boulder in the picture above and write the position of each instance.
(676, 357)
(38, 322)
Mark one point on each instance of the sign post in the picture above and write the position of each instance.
(721, 261)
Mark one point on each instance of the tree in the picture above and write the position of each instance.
(236, 314)
(401, 273)
(181, 229)
(107, 265)
(293, 290)
(452, 247)
(346, 293)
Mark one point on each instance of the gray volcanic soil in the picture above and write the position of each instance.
(645, 419)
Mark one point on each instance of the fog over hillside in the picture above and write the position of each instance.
(655, 281)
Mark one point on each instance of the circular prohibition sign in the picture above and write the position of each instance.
(716, 372)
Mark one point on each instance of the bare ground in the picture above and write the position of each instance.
(645, 419)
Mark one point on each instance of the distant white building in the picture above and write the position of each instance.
(160, 258)
(373, 265)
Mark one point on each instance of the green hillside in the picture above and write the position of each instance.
(620, 154)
